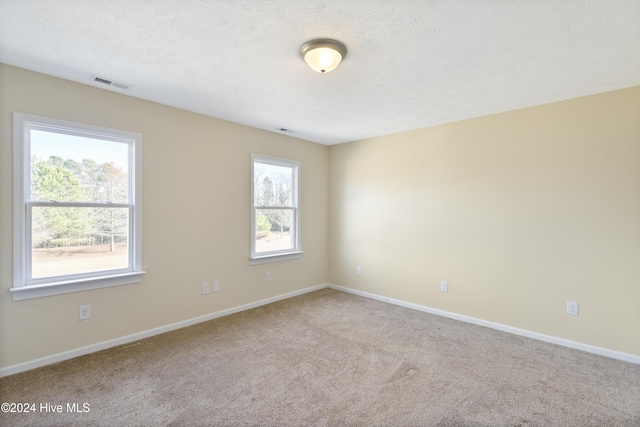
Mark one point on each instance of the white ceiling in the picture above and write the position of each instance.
(410, 63)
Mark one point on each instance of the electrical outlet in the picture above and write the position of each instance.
(85, 312)
(572, 308)
(216, 286)
(444, 286)
(359, 271)
(205, 288)
(267, 278)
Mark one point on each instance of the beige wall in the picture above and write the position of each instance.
(520, 212)
(196, 217)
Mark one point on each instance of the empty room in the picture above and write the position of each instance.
(341, 213)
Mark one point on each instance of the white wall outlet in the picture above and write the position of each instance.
(85, 312)
(268, 277)
(444, 286)
(359, 271)
(216, 286)
(205, 288)
(572, 308)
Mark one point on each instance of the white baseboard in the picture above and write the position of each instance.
(505, 328)
(59, 357)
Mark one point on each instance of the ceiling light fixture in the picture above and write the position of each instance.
(323, 55)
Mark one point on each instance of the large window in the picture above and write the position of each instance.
(77, 212)
(275, 216)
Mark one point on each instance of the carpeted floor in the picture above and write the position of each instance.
(331, 358)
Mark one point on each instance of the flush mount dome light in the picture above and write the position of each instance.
(323, 55)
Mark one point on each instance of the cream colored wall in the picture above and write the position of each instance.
(520, 212)
(196, 217)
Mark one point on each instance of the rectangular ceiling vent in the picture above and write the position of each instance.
(110, 82)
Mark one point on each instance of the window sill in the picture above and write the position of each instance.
(263, 259)
(66, 287)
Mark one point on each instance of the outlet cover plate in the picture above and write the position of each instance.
(572, 308)
(444, 286)
(85, 312)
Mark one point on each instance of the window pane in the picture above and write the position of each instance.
(78, 240)
(68, 168)
(272, 185)
(273, 230)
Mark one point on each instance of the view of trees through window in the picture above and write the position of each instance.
(274, 203)
(78, 189)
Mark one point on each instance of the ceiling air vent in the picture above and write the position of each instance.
(110, 82)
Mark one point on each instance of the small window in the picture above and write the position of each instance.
(275, 214)
(77, 207)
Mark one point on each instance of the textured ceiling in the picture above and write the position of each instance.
(410, 64)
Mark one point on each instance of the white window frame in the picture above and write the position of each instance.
(25, 288)
(281, 255)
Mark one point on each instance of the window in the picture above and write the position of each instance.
(275, 213)
(77, 213)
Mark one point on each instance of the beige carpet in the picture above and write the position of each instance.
(331, 358)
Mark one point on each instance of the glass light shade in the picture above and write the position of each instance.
(323, 59)
(323, 55)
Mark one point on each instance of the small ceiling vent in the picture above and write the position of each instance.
(110, 82)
